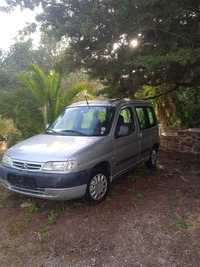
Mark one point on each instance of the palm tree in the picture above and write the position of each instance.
(46, 89)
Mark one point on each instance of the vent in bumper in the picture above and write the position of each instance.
(29, 191)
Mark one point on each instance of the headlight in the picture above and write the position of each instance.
(60, 166)
(6, 160)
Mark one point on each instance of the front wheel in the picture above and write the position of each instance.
(152, 162)
(98, 187)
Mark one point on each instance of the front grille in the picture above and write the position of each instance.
(26, 166)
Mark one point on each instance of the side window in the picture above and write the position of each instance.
(127, 116)
(126, 119)
(142, 119)
(151, 116)
(146, 117)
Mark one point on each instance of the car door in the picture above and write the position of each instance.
(126, 147)
(148, 130)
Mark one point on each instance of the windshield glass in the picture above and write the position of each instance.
(84, 121)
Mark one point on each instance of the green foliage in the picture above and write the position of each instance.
(46, 90)
(24, 111)
(54, 214)
(8, 130)
(33, 208)
(100, 35)
(178, 109)
(182, 224)
(19, 57)
(52, 217)
(48, 94)
(188, 108)
(165, 106)
(6, 126)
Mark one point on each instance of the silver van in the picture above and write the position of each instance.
(83, 151)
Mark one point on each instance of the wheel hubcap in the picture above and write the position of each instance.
(154, 157)
(98, 186)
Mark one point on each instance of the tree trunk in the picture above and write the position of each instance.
(45, 115)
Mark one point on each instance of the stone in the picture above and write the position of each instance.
(196, 148)
(25, 205)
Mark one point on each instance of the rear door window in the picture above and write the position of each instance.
(146, 117)
(142, 118)
(151, 116)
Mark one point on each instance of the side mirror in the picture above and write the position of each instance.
(47, 126)
(123, 131)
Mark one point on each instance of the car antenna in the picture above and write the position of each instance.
(86, 98)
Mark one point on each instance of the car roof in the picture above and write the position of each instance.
(111, 102)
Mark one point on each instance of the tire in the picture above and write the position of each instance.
(152, 162)
(98, 186)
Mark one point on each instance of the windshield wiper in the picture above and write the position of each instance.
(51, 131)
(72, 131)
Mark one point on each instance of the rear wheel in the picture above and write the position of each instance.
(152, 162)
(98, 186)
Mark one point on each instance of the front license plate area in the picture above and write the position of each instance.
(21, 181)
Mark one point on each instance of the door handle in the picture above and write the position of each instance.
(140, 134)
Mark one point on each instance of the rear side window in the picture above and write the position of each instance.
(142, 118)
(146, 117)
(151, 116)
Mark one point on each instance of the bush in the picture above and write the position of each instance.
(8, 131)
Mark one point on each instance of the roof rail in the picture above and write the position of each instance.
(118, 99)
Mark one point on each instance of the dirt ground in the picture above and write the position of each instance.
(148, 219)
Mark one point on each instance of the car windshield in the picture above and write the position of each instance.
(84, 121)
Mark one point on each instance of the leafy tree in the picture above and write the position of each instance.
(8, 131)
(167, 106)
(104, 36)
(20, 106)
(27, 115)
(17, 59)
(20, 56)
(188, 107)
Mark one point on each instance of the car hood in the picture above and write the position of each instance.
(45, 147)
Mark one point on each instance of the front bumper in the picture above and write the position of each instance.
(45, 185)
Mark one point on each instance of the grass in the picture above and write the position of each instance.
(132, 178)
(52, 217)
(43, 234)
(139, 195)
(33, 208)
(182, 224)
(54, 214)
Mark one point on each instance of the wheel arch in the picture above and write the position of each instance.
(104, 165)
(156, 146)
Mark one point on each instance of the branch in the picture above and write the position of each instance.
(163, 93)
(176, 87)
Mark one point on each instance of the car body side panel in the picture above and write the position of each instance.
(96, 154)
